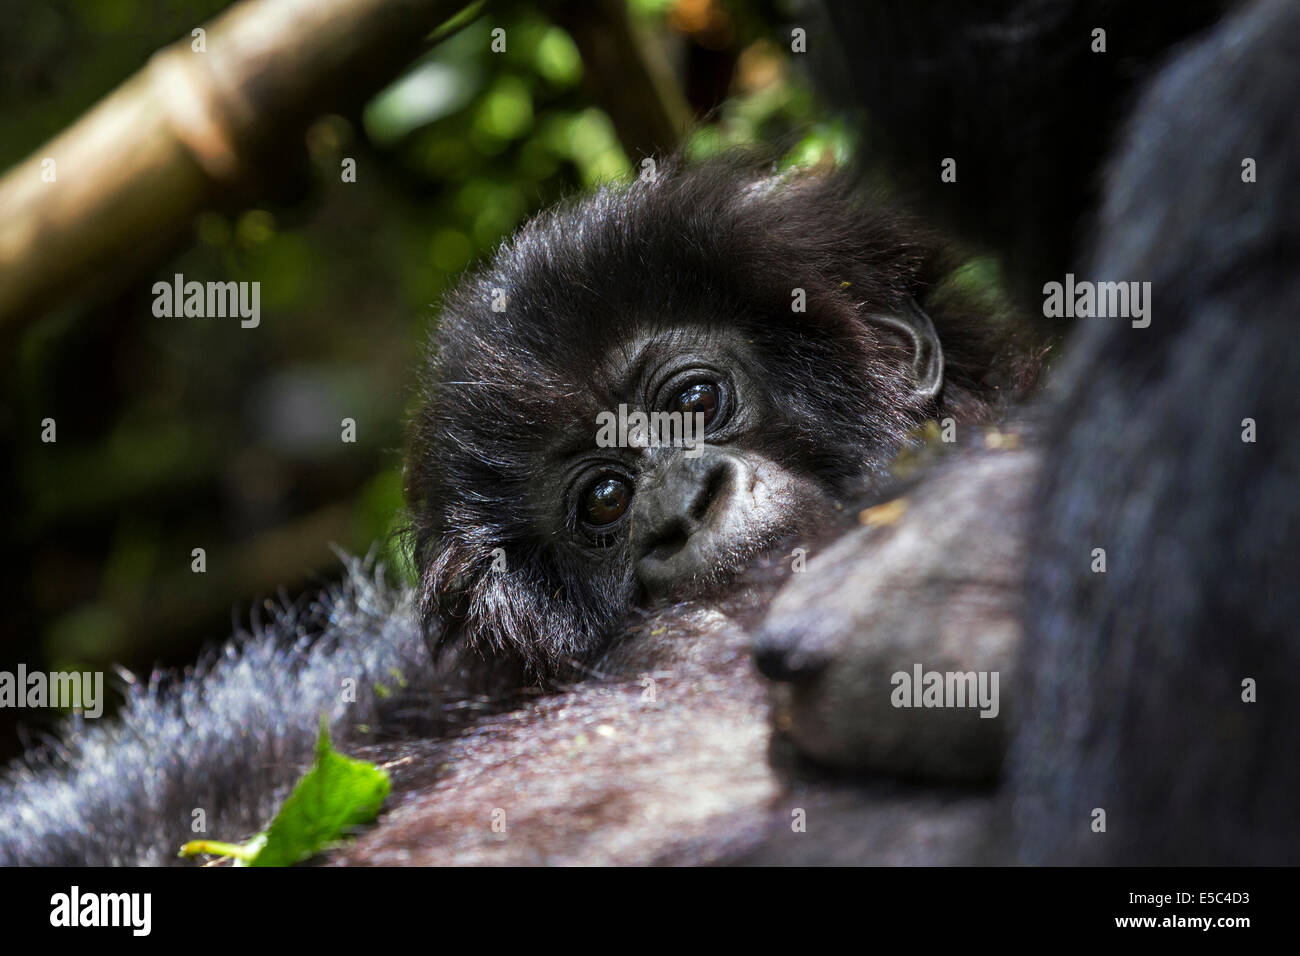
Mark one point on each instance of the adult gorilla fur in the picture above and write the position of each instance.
(1137, 704)
(1136, 678)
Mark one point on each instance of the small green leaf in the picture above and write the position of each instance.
(335, 795)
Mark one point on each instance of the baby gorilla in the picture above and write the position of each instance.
(805, 327)
(809, 330)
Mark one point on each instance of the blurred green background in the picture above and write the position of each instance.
(176, 434)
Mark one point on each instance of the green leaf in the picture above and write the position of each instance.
(335, 795)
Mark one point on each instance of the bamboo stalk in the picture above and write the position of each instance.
(189, 127)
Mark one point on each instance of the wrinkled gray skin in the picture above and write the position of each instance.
(936, 585)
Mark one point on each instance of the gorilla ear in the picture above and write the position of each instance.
(927, 361)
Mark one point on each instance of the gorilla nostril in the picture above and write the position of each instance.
(687, 520)
(713, 488)
(672, 536)
(779, 661)
(668, 542)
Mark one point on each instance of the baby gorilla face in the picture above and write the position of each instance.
(779, 321)
(685, 465)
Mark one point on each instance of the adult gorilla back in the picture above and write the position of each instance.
(1175, 449)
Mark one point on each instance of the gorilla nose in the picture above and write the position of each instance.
(786, 660)
(681, 519)
(685, 498)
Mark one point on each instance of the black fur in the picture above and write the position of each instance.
(1011, 90)
(1137, 705)
(1135, 676)
(718, 246)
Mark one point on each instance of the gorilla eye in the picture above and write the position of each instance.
(606, 501)
(701, 397)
